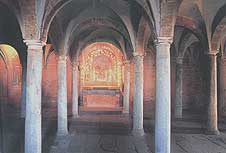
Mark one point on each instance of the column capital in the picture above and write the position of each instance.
(62, 58)
(179, 60)
(75, 66)
(164, 40)
(138, 54)
(212, 53)
(34, 44)
(126, 62)
(75, 63)
(127, 65)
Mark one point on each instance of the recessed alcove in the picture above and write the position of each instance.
(101, 77)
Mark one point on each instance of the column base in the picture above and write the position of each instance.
(75, 116)
(125, 111)
(212, 132)
(22, 115)
(138, 132)
(178, 116)
(74, 133)
(178, 112)
(62, 133)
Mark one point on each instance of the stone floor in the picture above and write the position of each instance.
(111, 133)
(94, 143)
(181, 143)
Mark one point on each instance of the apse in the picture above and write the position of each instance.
(101, 77)
(10, 80)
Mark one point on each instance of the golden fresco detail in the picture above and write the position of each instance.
(101, 66)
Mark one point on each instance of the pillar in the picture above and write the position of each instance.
(23, 91)
(212, 122)
(126, 87)
(222, 87)
(33, 97)
(62, 96)
(163, 103)
(75, 105)
(138, 95)
(179, 89)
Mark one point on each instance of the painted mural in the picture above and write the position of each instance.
(101, 66)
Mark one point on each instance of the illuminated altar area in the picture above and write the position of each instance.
(101, 75)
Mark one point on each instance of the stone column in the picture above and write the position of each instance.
(222, 88)
(179, 89)
(75, 105)
(126, 87)
(212, 122)
(33, 97)
(163, 103)
(23, 91)
(62, 96)
(138, 95)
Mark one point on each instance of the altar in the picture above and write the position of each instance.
(101, 76)
(105, 98)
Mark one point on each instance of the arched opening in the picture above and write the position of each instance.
(189, 76)
(3, 77)
(50, 80)
(10, 98)
(194, 69)
(101, 76)
(222, 82)
(11, 74)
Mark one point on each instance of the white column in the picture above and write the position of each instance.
(23, 91)
(126, 87)
(75, 74)
(179, 89)
(33, 97)
(138, 95)
(163, 103)
(212, 122)
(62, 96)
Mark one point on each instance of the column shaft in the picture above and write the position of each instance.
(179, 90)
(75, 105)
(212, 122)
(33, 97)
(126, 88)
(23, 91)
(163, 103)
(138, 95)
(62, 96)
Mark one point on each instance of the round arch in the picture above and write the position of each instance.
(101, 57)
(218, 29)
(101, 75)
(11, 75)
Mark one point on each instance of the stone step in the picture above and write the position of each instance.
(186, 130)
(101, 125)
(100, 111)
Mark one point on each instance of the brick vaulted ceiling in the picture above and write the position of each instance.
(81, 22)
(77, 22)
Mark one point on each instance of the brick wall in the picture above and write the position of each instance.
(222, 86)
(3, 79)
(10, 79)
(194, 84)
(149, 84)
(50, 82)
(14, 82)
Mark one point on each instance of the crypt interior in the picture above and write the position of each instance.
(112, 76)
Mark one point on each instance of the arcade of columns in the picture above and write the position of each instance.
(163, 102)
